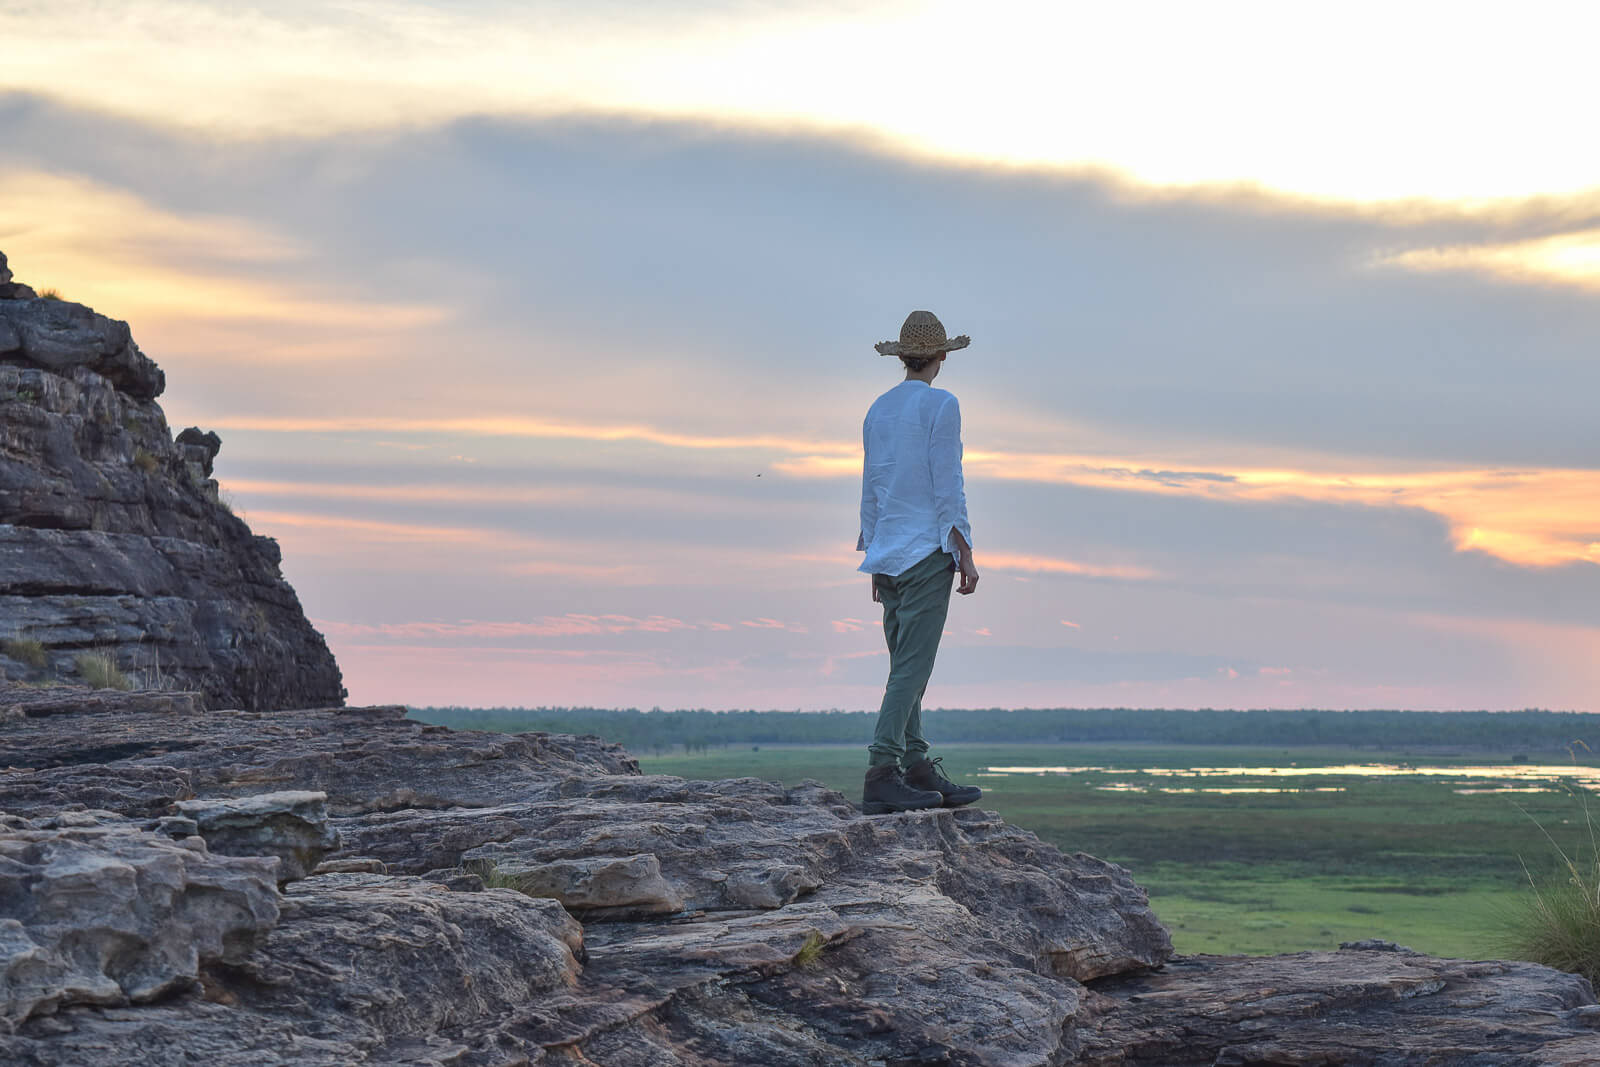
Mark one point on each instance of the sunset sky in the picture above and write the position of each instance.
(540, 334)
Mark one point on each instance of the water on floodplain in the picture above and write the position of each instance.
(1465, 780)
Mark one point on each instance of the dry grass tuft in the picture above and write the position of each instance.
(811, 951)
(494, 878)
(1559, 923)
(99, 671)
(26, 650)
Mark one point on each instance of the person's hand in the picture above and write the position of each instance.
(969, 575)
(876, 599)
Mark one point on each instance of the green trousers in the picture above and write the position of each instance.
(914, 608)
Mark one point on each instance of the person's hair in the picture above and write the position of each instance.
(914, 364)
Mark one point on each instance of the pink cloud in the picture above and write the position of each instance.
(544, 626)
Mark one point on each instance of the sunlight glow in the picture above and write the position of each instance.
(130, 259)
(1568, 258)
(1381, 101)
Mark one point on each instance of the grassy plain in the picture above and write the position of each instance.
(1309, 860)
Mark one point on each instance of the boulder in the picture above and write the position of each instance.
(291, 825)
(200, 447)
(59, 335)
(96, 910)
(593, 885)
(10, 290)
(358, 969)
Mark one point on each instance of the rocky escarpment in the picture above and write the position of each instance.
(479, 899)
(113, 540)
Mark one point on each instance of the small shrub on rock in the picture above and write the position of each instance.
(494, 878)
(99, 670)
(26, 650)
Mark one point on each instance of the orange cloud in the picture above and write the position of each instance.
(1009, 561)
(633, 500)
(1537, 517)
(421, 494)
(533, 427)
(380, 544)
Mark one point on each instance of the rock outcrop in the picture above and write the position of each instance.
(113, 539)
(99, 910)
(533, 899)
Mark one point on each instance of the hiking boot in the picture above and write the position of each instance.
(886, 791)
(929, 774)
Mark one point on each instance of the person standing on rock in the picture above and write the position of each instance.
(915, 534)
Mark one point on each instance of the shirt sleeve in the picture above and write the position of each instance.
(869, 500)
(949, 489)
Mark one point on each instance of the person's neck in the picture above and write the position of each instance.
(925, 376)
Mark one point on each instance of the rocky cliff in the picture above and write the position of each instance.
(346, 886)
(113, 541)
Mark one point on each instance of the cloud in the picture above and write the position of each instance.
(1008, 561)
(1530, 517)
(1220, 427)
(570, 625)
(1043, 83)
(1569, 258)
(150, 263)
(531, 427)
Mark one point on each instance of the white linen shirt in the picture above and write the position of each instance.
(912, 493)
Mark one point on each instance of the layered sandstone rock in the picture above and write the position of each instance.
(533, 899)
(113, 540)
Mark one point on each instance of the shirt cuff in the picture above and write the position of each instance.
(948, 543)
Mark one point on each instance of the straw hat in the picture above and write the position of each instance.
(922, 335)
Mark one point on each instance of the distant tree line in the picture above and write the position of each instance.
(657, 731)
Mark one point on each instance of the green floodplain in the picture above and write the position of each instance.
(1265, 850)
(1254, 831)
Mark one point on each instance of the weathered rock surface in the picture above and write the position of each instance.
(731, 923)
(291, 825)
(112, 536)
(1350, 1007)
(364, 759)
(94, 910)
